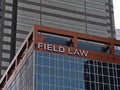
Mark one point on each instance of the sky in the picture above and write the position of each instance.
(117, 13)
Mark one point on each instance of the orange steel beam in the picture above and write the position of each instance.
(102, 56)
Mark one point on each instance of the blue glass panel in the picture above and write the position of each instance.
(72, 74)
(45, 79)
(52, 55)
(46, 70)
(60, 81)
(72, 83)
(52, 80)
(60, 64)
(66, 57)
(66, 82)
(71, 59)
(72, 66)
(55, 40)
(117, 52)
(66, 65)
(52, 62)
(66, 73)
(39, 53)
(46, 61)
(81, 85)
(60, 72)
(38, 78)
(45, 54)
(66, 88)
(38, 87)
(38, 69)
(51, 87)
(45, 87)
(61, 88)
(60, 56)
(90, 46)
(39, 61)
(52, 71)
(81, 68)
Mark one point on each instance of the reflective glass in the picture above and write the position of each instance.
(73, 73)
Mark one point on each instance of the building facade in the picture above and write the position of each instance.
(19, 16)
(71, 61)
(118, 34)
(7, 33)
(84, 16)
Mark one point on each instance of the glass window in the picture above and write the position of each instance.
(86, 68)
(111, 72)
(60, 64)
(86, 76)
(105, 71)
(8, 15)
(52, 62)
(93, 86)
(92, 77)
(5, 63)
(45, 79)
(101, 87)
(66, 65)
(46, 70)
(8, 31)
(118, 73)
(52, 72)
(60, 72)
(119, 81)
(52, 79)
(45, 87)
(111, 80)
(8, 23)
(75, 74)
(46, 61)
(60, 81)
(100, 79)
(106, 79)
(66, 73)
(2, 72)
(9, 1)
(106, 87)
(99, 70)
(91, 69)
(5, 55)
(6, 47)
(9, 8)
(8, 39)
(72, 74)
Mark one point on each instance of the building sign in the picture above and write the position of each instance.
(62, 49)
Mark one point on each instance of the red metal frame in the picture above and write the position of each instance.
(33, 38)
(112, 58)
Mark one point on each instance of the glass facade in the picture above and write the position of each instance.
(23, 80)
(59, 72)
(52, 71)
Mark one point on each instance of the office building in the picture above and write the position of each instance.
(93, 17)
(7, 36)
(55, 59)
(118, 34)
